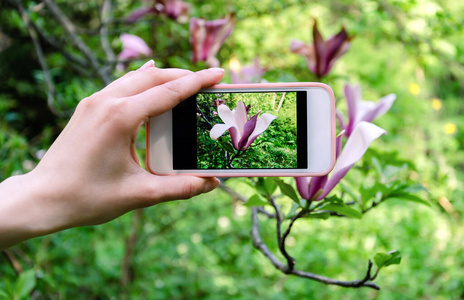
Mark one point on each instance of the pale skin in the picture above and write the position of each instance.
(91, 173)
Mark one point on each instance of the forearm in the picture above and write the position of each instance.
(21, 210)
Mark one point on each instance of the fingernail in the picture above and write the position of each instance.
(211, 184)
(217, 70)
(148, 64)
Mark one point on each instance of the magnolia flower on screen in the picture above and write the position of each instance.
(132, 47)
(359, 110)
(251, 73)
(317, 188)
(322, 55)
(207, 37)
(174, 9)
(243, 130)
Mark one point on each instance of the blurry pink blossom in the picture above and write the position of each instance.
(317, 188)
(207, 37)
(251, 73)
(132, 47)
(321, 55)
(174, 9)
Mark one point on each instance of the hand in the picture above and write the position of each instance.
(91, 173)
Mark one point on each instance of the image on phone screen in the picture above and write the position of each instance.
(231, 130)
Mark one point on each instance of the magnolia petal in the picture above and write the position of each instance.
(127, 54)
(218, 130)
(140, 13)
(197, 38)
(317, 184)
(261, 125)
(353, 97)
(354, 149)
(337, 45)
(247, 131)
(338, 144)
(302, 185)
(339, 116)
(206, 37)
(383, 105)
(226, 115)
(235, 136)
(135, 43)
(241, 116)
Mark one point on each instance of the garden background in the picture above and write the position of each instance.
(201, 249)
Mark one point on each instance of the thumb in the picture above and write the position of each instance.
(152, 189)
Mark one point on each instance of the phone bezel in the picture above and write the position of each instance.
(160, 141)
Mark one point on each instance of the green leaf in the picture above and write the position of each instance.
(319, 215)
(25, 284)
(270, 185)
(256, 200)
(343, 210)
(409, 197)
(227, 146)
(385, 260)
(288, 190)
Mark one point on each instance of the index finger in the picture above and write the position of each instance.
(162, 98)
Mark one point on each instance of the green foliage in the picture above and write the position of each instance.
(385, 260)
(411, 48)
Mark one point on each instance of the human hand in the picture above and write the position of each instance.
(91, 173)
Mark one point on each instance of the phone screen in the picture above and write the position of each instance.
(231, 130)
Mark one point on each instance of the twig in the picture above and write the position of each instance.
(239, 197)
(261, 246)
(126, 267)
(105, 16)
(40, 55)
(290, 260)
(77, 41)
(15, 264)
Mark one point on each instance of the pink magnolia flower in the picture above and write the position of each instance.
(243, 130)
(317, 188)
(174, 9)
(207, 37)
(132, 47)
(359, 110)
(322, 55)
(251, 73)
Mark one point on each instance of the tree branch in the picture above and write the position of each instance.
(290, 260)
(233, 193)
(15, 264)
(261, 246)
(105, 16)
(126, 266)
(77, 41)
(40, 55)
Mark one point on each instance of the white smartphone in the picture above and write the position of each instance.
(231, 130)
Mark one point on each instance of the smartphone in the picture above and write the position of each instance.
(232, 130)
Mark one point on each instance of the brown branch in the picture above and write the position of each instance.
(239, 197)
(126, 266)
(15, 264)
(290, 260)
(105, 16)
(261, 246)
(51, 95)
(77, 41)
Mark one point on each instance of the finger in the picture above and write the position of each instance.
(143, 80)
(162, 98)
(148, 64)
(152, 189)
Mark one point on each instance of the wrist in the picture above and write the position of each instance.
(23, 214)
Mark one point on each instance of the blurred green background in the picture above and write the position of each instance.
(201, 249)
